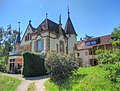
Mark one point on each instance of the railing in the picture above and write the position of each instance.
(92, 56)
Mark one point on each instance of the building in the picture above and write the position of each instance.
(46, 37)
(87, 48)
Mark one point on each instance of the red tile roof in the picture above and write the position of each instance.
(103, 40)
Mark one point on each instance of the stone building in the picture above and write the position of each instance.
(48, 36)
(87, 48)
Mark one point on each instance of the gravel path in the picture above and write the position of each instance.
(39, 82)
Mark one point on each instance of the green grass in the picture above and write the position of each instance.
(8, 83)
(85, 79)
(32, 87)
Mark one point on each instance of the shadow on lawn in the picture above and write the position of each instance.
(67, 84)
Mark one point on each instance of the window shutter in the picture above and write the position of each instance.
(42, 44)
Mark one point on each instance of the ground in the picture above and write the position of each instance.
(39, 82)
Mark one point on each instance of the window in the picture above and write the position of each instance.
(69, 35)
(94, 42)
(61, 46)
(39, 45)
(27, 37)
(78, 54)
(86, 53)
(12, 64)
(87, 43)
(114, 38)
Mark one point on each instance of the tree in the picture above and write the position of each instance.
(116, 34)
(7, 43)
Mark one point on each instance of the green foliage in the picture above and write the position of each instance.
(7, 43)
(33, 65)
(116, 34)
(8, 83)
(108, 56)
(85, 79)
(60, 67)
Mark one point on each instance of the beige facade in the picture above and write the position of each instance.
(46, 37)
(87, 48)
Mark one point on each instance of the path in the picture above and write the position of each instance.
(39, 82)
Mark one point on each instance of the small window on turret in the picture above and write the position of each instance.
(69, 35)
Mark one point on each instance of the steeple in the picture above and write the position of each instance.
(46, 21)
(18, 36)
(69, 29)
(60, 25)
(60, 20)
(68, 11)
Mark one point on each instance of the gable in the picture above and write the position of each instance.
(28, 30)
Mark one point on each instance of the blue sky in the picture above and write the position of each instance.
(92, 17)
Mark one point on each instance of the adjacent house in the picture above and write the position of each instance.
(87, 48)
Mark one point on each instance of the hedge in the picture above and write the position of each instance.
(33, 65)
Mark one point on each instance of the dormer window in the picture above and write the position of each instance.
(88, 43)
(93, 42)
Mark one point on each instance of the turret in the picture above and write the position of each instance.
(18, 41)
(71, 34)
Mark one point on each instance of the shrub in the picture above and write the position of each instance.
(33, 65)
(60, 67)
(108, 56)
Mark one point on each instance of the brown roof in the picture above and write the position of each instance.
(50, 25)
(81, 45)
(69, 29)
(103, 40)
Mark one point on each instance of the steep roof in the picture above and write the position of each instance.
(50, 25)
(33, 29)
(69, 29)
(18, 38)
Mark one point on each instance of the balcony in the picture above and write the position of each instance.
(92, 56)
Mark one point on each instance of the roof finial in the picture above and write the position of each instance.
(46, 15)
(19, 26)
(68, 11)
(30, 21)
(60, 19)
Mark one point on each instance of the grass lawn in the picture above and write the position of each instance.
(85, 79)
(8, 83)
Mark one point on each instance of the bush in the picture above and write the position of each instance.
(60, 67)
(33, 65)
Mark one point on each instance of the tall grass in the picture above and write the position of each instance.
(85, 79)
(8, 83)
